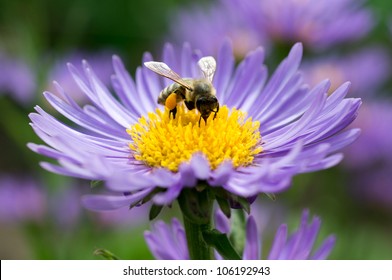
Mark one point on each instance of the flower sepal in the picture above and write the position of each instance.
(228, 201)
(146, 199)
(237, 234)
(155, 210)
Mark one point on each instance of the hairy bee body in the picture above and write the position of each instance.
(201, 87)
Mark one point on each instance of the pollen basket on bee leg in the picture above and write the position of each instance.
(171, 101)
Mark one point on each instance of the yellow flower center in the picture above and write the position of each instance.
(161, 141)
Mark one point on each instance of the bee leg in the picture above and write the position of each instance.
(216, 111)
(173, 112)
(190, 105)
(204, 118)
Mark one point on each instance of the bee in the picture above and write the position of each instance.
(196, 93)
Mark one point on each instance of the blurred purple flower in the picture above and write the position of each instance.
(16, 79)
(100, 61)
(206, 29)
(66, 209)
(65, 206)
(353, 68)
(168, 241)
(21, 200)
(248, 23)
(374, 146)
(373, 186)
(369, 160)
(316, 23)
(301, 129)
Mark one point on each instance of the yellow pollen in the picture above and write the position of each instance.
(161, 141)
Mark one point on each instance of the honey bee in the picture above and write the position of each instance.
(196, 93)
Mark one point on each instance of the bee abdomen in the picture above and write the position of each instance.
(173, 88)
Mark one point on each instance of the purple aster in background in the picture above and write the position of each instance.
(367, 70)
(373, 187)
(100, 61)
(65, 208)
(16, 79)
(316, 23)
(266, 131)
(374, 145)
(206, 29)
(21, 200)
(27, 199)
(369, 160)
(168, 241)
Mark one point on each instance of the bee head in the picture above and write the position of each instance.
(207, 104)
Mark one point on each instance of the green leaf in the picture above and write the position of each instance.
(105, 254)
(224, 206)
(154, 211)
(221, 243)
(96, 183)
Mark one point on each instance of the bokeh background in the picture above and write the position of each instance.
(40, 213)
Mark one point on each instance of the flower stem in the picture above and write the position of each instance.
(198, 249)
(196, 207)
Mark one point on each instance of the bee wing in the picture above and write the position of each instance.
(207, 65)
(165, 71)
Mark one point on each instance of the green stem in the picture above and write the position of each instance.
(198, 248)
(196, 207)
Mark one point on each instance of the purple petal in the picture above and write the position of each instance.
(108, 202)
(252, 250)
(221, 174)
(167, 197)
(325, 249)
(278, 244)
(200, 166)
(222, 223)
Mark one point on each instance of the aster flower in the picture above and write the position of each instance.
(16, 79)
(372, 187)
(168, 241)
(318, 24)
(65, 208)
(220, 23)
(21, 200)
(265, 133)
(375, 122)
(354, 68)
(370, 165)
